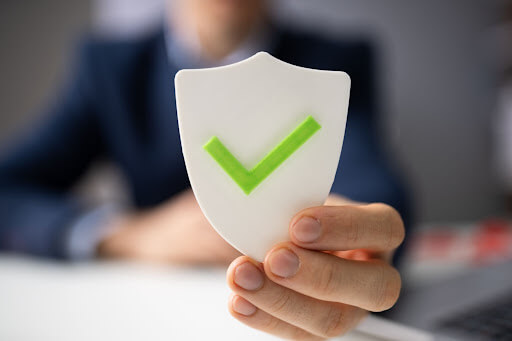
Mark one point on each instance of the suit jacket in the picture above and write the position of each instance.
(119, 104)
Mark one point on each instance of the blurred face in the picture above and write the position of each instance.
(227, 15)
(218, 22)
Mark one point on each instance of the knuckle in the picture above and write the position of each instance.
(271, 324)
(334, 324)
(398, 228)
(391, 224)
(352, 228)
(280, 304)
(328, 282)
(388, 289)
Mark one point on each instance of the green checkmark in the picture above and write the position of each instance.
(248, 180)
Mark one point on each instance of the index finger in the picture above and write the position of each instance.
(377, 227)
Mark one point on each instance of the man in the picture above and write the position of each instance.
(120, 105)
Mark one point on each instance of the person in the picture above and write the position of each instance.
(500, 36)
(120, 104)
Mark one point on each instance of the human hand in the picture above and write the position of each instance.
(174, 232)
(325, 280)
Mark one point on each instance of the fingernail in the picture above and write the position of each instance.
(307, 230)
(248, 276)
(242, 306)
(283, 263)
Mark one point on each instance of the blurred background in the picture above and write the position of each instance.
(438, 79)
(445, 91)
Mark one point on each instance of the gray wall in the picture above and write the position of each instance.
(437, 91)
(436, 83)
(36, 39)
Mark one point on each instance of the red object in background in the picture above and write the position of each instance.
(440, 243)
(492, 240)
(433, 244)
(476, 244)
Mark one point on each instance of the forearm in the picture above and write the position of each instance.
(35, 222)
(175, 232)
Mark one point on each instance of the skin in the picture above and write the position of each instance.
(337, 280)
(333, 281)
(175, 232)
(220, 25)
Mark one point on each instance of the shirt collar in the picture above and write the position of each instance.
(184, 50)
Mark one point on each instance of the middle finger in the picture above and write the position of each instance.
(372, 285)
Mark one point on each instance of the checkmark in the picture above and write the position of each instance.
(248, 180)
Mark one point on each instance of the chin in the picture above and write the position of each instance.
(234, 11)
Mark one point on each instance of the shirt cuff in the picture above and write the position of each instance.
(88, 231)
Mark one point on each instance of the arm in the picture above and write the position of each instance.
(35, 174)
(175, 231)
(364, 174)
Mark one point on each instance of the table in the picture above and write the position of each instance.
(42, 300)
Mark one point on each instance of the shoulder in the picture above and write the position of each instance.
(118, 54)
(355, 56)
(326, 52)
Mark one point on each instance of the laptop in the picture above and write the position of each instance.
(473, 306)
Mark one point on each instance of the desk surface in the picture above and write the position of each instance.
(117, 301)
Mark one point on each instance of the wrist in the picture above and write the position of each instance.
(122, 241)
(87, 230)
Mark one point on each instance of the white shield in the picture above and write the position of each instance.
(282, 126)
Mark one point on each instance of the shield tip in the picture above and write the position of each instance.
(178, 75)
(263, 55)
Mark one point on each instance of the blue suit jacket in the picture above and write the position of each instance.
(120, 104)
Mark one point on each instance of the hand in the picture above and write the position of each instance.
(322, 283)
(175, 232)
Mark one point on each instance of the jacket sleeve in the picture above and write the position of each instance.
(365, 172)
(37, 171)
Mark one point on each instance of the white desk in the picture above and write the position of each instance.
(114, 301)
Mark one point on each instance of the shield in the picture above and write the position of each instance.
(261, 140)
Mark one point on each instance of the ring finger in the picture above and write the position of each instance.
(321, 318)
